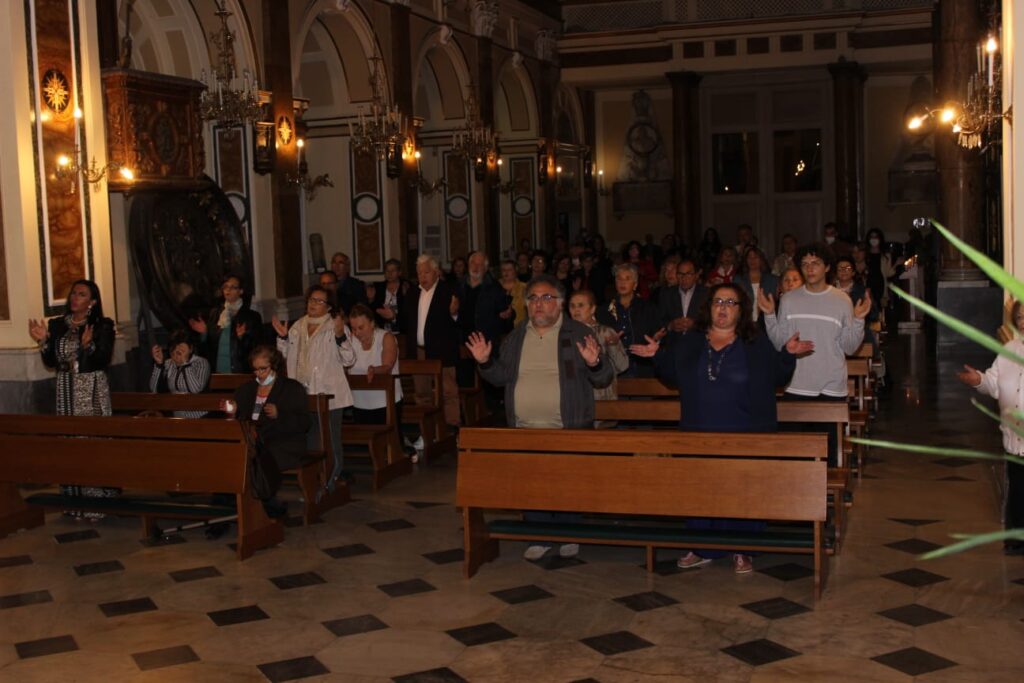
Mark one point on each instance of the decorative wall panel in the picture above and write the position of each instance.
(367, 214)
(458, 206)
(55, 94)
(232, 160)
(524, 216)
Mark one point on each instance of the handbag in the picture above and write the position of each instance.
(264, 474)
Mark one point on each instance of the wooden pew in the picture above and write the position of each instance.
(208, 456)
(312, 476)
(438, 439)
(831, 414)
(471, 399)
(778, 477)
(383, 441)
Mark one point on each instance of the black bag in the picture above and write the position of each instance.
(264, 474)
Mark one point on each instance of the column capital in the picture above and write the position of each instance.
(683, 79)
(846, 69)
(546, 45)
(483, 17)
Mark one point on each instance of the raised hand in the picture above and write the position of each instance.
(613, 337)
(797, 347)
(270, 410)
(339, 324)
(590, 350)
(863, 306)
(969, 376)
(506, 314)
(86, 338)
(158, 354)
(453, 307)
(645, 350)
(479, 347)
(240, 329)
(198, 325)
(279, 327)
(386, 313)
(766, 302)
(37, 330)
(659, 334)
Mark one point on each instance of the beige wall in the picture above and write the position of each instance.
(885, 100)
(614, 116)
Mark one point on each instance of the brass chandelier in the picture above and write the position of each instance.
(381, 131)
(228, 100)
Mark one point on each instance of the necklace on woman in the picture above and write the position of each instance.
(715, 369)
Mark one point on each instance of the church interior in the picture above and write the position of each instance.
(162, 149)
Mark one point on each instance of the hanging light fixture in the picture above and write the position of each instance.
(474, 141)
(381, 131)
(228, 100)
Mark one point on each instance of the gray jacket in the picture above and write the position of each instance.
(576, 379)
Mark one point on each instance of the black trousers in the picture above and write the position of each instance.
(1015, 497)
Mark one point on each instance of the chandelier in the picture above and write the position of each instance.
(228, 100)
(475, 141)
(381, 131)
(978, 116)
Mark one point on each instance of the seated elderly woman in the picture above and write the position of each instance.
(727, 378)
(276, 405)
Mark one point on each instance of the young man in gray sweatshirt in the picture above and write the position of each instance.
(821, 314)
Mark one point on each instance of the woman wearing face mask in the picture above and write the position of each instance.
(79, 346)
(880, 267)
(317, 349)
(182, 373)
(276, 405)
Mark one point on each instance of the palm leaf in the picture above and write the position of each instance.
(972, 333)
(972, 541)
(938, 450)
(987, 265)
(1013, 424)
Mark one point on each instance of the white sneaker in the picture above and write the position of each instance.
(569, 550)
(535, 552)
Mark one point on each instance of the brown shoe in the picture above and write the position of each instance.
(742, 564)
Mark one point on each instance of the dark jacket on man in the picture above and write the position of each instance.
(441, 335)
(480, 306)
(380, 290)
(285, 436)
(677, 363)
(576, 380)
(349, 292)
(670, 303)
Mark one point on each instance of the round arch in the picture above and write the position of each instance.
(567, 103)
(515, 106)
(173, 44)
(454, 58)
(356, 19)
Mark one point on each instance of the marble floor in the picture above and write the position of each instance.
(376, 593)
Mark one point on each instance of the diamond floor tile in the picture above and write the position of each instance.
(759, 652)
(616, 643)
(642, 602)
(914, 661)
(915, 615)
(775, 608)
(350, 626)
(914, 546)
(403, 588)
(237, 615)
(480, 634)
(292, 669)
(915, 578)
(164, 657)
(521, 594)
(789, 571)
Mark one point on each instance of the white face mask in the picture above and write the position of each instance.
(874, 241)
(830, 239)
(266, 381)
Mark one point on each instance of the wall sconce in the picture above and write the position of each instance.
(393, 159)
(504, 188)
(264, 147)
(69, 168)
(542, 166)
(426, 187)
(588, 171)
(302, 180)
(480, 169)
(601, 188)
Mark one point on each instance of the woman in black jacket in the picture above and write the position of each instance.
(726, 378)
(231, 330)
(79, 346)
(277, 406)
(632, 318)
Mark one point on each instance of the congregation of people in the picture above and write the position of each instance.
(730, 325)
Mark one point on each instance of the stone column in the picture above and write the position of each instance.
(285, 214)
(483, 19)
(590, 216)
(408, 199)
(961, 173)
(848, 104)
(544, 45)
(106, 19)
(962, 290)
(686, 155)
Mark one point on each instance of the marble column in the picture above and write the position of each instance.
(285, 214)
(961, 171)
(686, 155)
(548, 134)
(408, 199)
(848, 105)
(485, 97)
(962, 290)
(106, 20)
